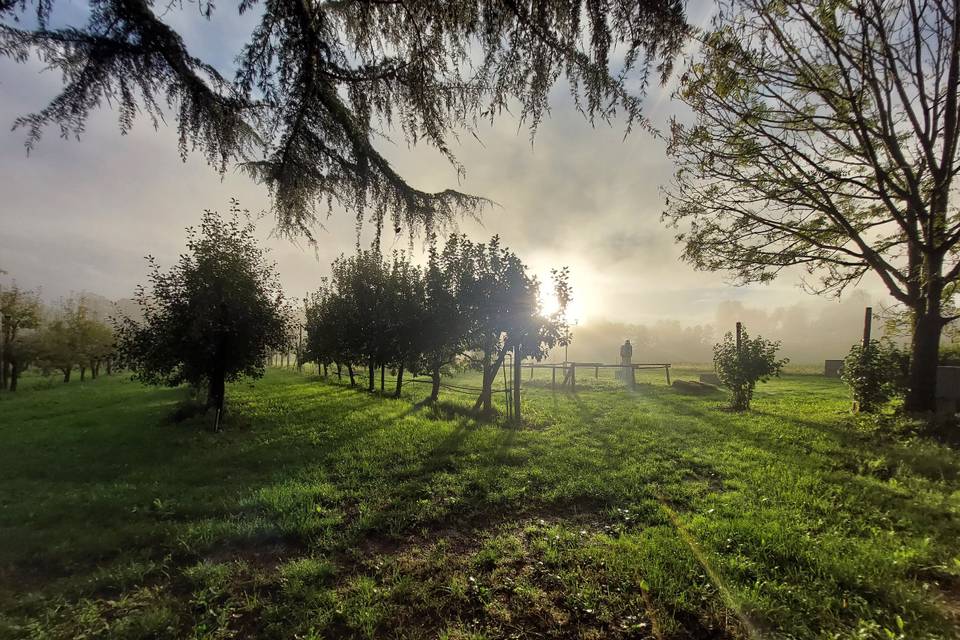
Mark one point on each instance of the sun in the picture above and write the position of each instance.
(550, 304)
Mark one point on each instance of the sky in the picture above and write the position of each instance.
(81, 215)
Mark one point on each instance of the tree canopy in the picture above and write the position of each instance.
(318, 83)
(214, 316)
(825, 136)
(471, 298)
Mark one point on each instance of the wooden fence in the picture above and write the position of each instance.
(568, 371)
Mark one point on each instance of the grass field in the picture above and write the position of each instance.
(324, 512)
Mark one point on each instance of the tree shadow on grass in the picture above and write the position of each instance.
(842, 463)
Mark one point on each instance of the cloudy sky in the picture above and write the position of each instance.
(78, 216)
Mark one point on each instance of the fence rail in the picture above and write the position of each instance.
(569, 370)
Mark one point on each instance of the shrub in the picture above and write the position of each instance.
(756, 361)
(874, 376)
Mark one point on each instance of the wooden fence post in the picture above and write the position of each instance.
(553, 381)
(517, 377)
(867, 324)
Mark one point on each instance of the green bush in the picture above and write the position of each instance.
(874, 376)
(740, 370)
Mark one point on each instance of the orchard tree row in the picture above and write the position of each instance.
(64, 337)
(472, 301)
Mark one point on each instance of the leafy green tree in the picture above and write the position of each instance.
(875, 374)
(475, 298)
(58, 347)
(98, 345)
(445, 321)
(24, 351)
(406, 303)
(741, 366)
(317, 82)
(21, 310)
(826, 136)
(213, 317)
(502, 303)
(370, 311)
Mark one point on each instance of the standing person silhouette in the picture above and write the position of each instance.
(626, 359)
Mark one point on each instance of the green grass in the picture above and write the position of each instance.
(323, 512)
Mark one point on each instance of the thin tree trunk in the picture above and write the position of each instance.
(109, 366)
(324, 370)
(382, 369)
(339, 373)
(216, 390)
(372, 369)
(14, 375)
(435, 387)
(350, 371)
(490, 372)
(83, 373)
(396, 394)
(66, 374)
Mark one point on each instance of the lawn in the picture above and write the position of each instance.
(324, 512)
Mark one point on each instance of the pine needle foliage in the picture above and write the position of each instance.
(317, 83)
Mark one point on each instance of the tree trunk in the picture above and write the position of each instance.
(324, 370)
(109, 366)
(484, 401)
(339, 373)
(372, 370)
(93, 369)
(83, 372)
(14, 375)
(382, 369)
(66, 374)
(435, 388)
(216, 390)
(396, 393)
(924, 358)
(490, 372)
(350, 371)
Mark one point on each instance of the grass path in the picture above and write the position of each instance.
(323, 512)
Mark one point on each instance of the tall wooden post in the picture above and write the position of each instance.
(300, 348)
(739, 339)
(867, 324)
(517, 375)
(508, 399)
(3, 363)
